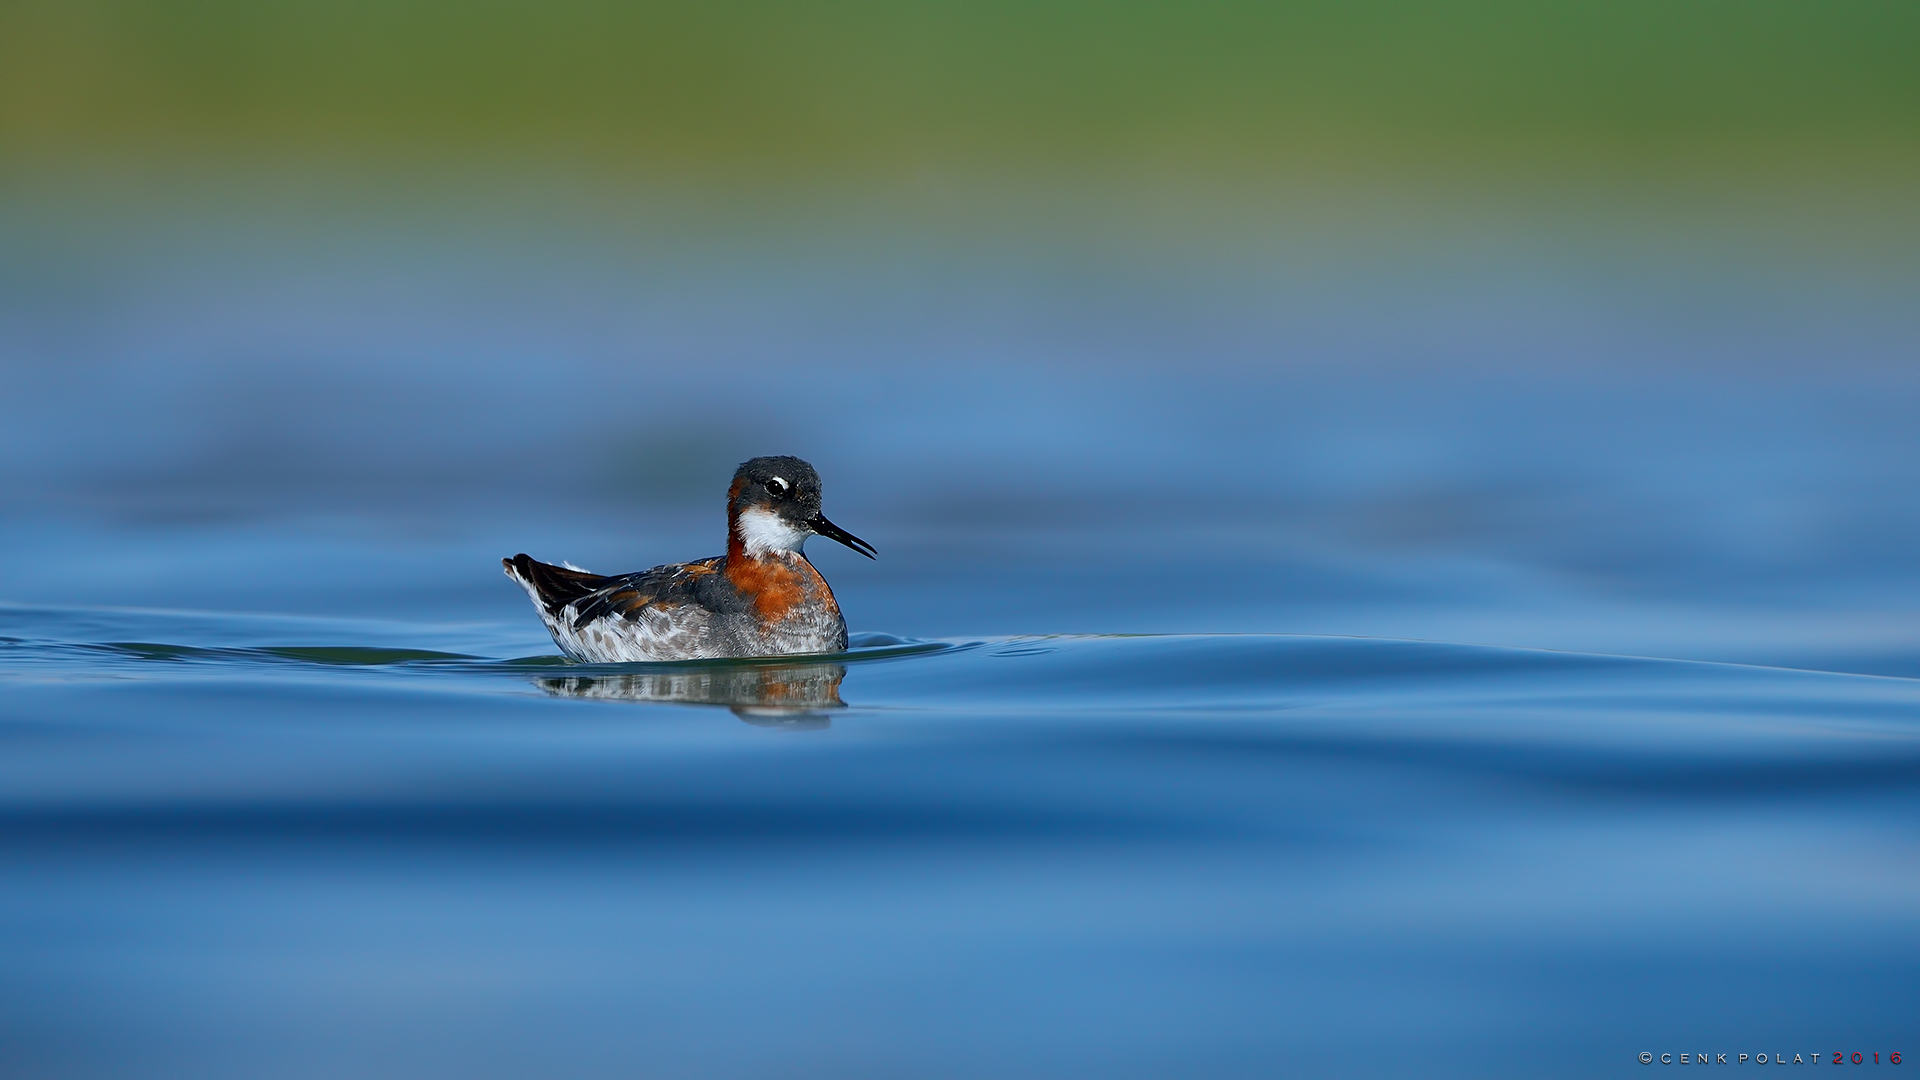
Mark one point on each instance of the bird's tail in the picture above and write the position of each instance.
(551, 587)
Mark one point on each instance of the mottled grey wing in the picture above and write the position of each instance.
(628, 596)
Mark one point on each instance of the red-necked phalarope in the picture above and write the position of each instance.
(762, 598)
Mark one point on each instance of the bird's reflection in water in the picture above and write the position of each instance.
(788, 696)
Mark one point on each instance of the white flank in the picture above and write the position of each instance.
(766, 533)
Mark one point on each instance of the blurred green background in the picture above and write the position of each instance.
(1710, 94)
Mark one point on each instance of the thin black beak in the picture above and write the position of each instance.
(821, 526)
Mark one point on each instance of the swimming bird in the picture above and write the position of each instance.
(762, 598)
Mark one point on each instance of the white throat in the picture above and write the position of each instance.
(764, 532)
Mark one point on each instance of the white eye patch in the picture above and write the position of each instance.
(777, 485)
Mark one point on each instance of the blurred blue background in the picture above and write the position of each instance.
(1589, 328)
(1662, 437)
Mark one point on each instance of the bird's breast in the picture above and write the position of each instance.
(781, 589)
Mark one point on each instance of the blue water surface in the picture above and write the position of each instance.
(1127, 856)
(1495, 657)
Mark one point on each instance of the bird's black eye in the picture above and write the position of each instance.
(776, 487)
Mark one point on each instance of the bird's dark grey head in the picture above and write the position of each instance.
(774, 505)
(785, 485)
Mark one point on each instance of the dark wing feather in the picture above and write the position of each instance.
(618, 598)
(666, 586)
